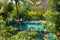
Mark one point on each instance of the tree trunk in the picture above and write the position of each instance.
(18, 14)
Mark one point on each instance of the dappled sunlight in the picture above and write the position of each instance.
(29, 19)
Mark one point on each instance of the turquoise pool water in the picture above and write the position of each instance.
(27, 26)
(37, 26)
(51, 36)
(40, 37)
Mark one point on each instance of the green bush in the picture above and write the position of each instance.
(24, 35)
(35, 14)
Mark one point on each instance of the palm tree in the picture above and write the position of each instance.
(16, 3)
(18, 15)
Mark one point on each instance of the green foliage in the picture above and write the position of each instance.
(57, 5)
(51, 15)
(3, 2)
(38, 8)
(0, 5)
(35, 14)
(8, 7)
(24, 35)
(34, 1)
(20, 36)
(48, 26)
(9, 12)
(51, 3)
(5, 31)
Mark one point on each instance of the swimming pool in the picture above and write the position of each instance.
(37, 26)
(27, 26)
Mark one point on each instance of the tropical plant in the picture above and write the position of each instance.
(24, 35)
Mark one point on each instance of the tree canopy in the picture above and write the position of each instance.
(12, 10)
